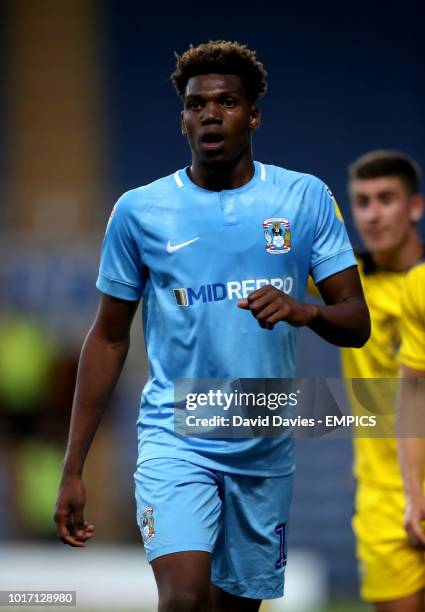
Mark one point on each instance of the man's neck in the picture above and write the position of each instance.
(219, 176)
(402, 258)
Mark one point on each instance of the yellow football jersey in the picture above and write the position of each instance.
(412, 351)
(375, 459)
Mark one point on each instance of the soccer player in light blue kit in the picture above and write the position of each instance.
(220, 253)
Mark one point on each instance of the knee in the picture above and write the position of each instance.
(190, 601)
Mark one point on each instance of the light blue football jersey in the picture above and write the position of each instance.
(192, 254)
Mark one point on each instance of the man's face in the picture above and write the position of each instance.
(217, 117)
(383, 211)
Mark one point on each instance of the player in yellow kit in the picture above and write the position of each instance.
(412, 351)
(386, 205)
(412, 403)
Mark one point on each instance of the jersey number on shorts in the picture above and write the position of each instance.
(281, 531)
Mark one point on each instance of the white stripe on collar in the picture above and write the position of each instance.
(178, 179)
(262, 171)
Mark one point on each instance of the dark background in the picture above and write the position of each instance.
(344, 78)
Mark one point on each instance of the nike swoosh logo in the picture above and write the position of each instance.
(175, 247)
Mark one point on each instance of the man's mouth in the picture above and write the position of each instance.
(375, 232)
(212, 141)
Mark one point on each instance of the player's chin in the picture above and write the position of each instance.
(379, 241)
(218, 153)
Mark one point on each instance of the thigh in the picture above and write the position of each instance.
(250, 554)
(390, 568)
(412, 603)
(178, 507)
(222, 601)
(183, 581)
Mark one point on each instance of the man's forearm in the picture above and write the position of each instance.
(344, 324)
(410, 422)
(99, 368)
(412, 460)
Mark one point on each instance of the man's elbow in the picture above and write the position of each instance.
(363, 330)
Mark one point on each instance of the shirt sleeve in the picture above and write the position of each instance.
(412, 350)
(121, 272)
(332, 251)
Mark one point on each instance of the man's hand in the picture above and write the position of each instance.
(69, 518)
(270, 305)
(415, 513)
(343, 320)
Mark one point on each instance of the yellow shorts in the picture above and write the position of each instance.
(389, 567)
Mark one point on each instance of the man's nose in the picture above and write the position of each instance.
(373, 211)
(211, 113)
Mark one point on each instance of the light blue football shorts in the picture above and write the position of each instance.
(241, 520)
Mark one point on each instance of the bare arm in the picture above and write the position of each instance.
(101, 361)
(343, 320)
(410, 409)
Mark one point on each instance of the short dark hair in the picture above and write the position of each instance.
(387, 163)
(221, 57)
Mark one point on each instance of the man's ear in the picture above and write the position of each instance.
(182, 125)
(417, 203)
(255, 118)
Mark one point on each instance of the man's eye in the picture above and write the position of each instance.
(361, 203)
(388, 198)
(229, 102)
(194, 104)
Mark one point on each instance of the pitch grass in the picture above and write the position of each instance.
(348, 607)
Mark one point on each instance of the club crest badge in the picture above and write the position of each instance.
(147, 525)
(277, 234)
